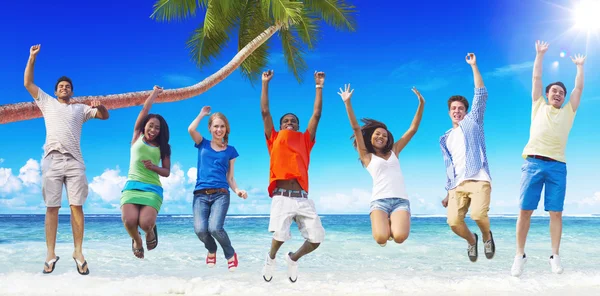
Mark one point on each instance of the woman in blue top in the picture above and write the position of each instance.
(211, 194)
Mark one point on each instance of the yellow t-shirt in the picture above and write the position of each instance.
(549, 130)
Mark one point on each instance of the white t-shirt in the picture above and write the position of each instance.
(456, 145)
(63, 124)
(388, 180)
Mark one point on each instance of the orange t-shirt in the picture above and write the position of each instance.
(290, 156)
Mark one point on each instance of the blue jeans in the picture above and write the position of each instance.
(390, 205)
(209, 216)
(535, 174)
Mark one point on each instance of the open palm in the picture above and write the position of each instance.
(346, 93)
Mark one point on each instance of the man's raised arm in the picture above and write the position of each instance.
(316, 116)
(480, 98)
(264, 103)
(536, 89)
(576, 94)
(28, 79)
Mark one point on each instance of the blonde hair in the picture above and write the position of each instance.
(222, 117)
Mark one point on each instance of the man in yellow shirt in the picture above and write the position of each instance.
(544, 154)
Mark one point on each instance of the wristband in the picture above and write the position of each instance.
(319, 86)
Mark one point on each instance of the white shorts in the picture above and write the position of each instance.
(285, 209)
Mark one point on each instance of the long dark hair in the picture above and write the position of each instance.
(163, 135)
(367, 130)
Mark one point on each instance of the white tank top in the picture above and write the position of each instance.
(388, 180)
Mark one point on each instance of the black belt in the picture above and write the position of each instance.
(544, 158)
(210, 191)
(290, 193)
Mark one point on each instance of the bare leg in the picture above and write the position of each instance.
(306, 248)
(523, 223)
(147, 222)
(51, 226)
(555, 230)
(275, 245)
(380, 226)
(463, 231)
(77, 225)
(400, 226)
(130, 214)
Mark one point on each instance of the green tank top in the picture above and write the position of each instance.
(140, 150)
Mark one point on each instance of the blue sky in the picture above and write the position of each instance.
(115, 47)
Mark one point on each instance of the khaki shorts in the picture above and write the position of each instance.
(285, 209)
(59, 169)
(469, 194)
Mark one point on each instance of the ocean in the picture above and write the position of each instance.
(433, 261)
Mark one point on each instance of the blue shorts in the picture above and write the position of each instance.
(535, 174)
(390, 205)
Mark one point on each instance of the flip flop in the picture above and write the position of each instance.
(84, 264)
(47, 264)
(153, 242)
(140, 250)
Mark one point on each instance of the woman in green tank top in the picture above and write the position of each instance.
(143, 194)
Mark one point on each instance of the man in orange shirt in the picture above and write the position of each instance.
(288, 181)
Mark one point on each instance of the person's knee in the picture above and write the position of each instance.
(52, 210)
(381, 238)
(214, 231)
(400, 238)
(455, 221)
(129, 221)
(479, 216)
(147, 225)
(555, 215)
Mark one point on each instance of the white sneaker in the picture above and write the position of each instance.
(555, 264)
(268, 269)
(518, 265)
(292, 270)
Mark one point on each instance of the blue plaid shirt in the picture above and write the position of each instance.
(472, 127)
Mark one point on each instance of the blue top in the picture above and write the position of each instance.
(472, 126)
(213, 165)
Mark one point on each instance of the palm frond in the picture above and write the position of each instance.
(209, 39)
(293, 53)
(174, 10)
(336, 13)
(308, 28)
(282, 11)
(252, 24)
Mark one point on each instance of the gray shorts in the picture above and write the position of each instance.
(59, 169)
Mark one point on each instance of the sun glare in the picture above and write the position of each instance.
(586, 15)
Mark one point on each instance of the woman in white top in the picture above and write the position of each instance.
(390, 207)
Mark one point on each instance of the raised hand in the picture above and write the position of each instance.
(157, 89)
(267, 75)
(95, 104)
(416, 91)
(319, 78)
(541, 46)
(148, 164)
(34, 50)
(579, 59)
(241, 193)
(471, 59)
(346, 94)
(205, 111)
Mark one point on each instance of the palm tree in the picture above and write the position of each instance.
(257, 21)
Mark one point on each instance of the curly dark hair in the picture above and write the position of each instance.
(163, 135)
(367, 130)
(458, 98)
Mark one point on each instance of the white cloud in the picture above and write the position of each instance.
(511, 69)
(109, 185)
(1, 160)
(8, 182)
(180, 80)
(192, 174)
(357, 201)
(590, 201)
(174, 186)
(30, 173)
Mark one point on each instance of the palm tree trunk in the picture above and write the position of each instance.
(25, 111)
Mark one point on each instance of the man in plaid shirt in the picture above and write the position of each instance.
(467, 171)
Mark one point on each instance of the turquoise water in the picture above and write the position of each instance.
(433, 261)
